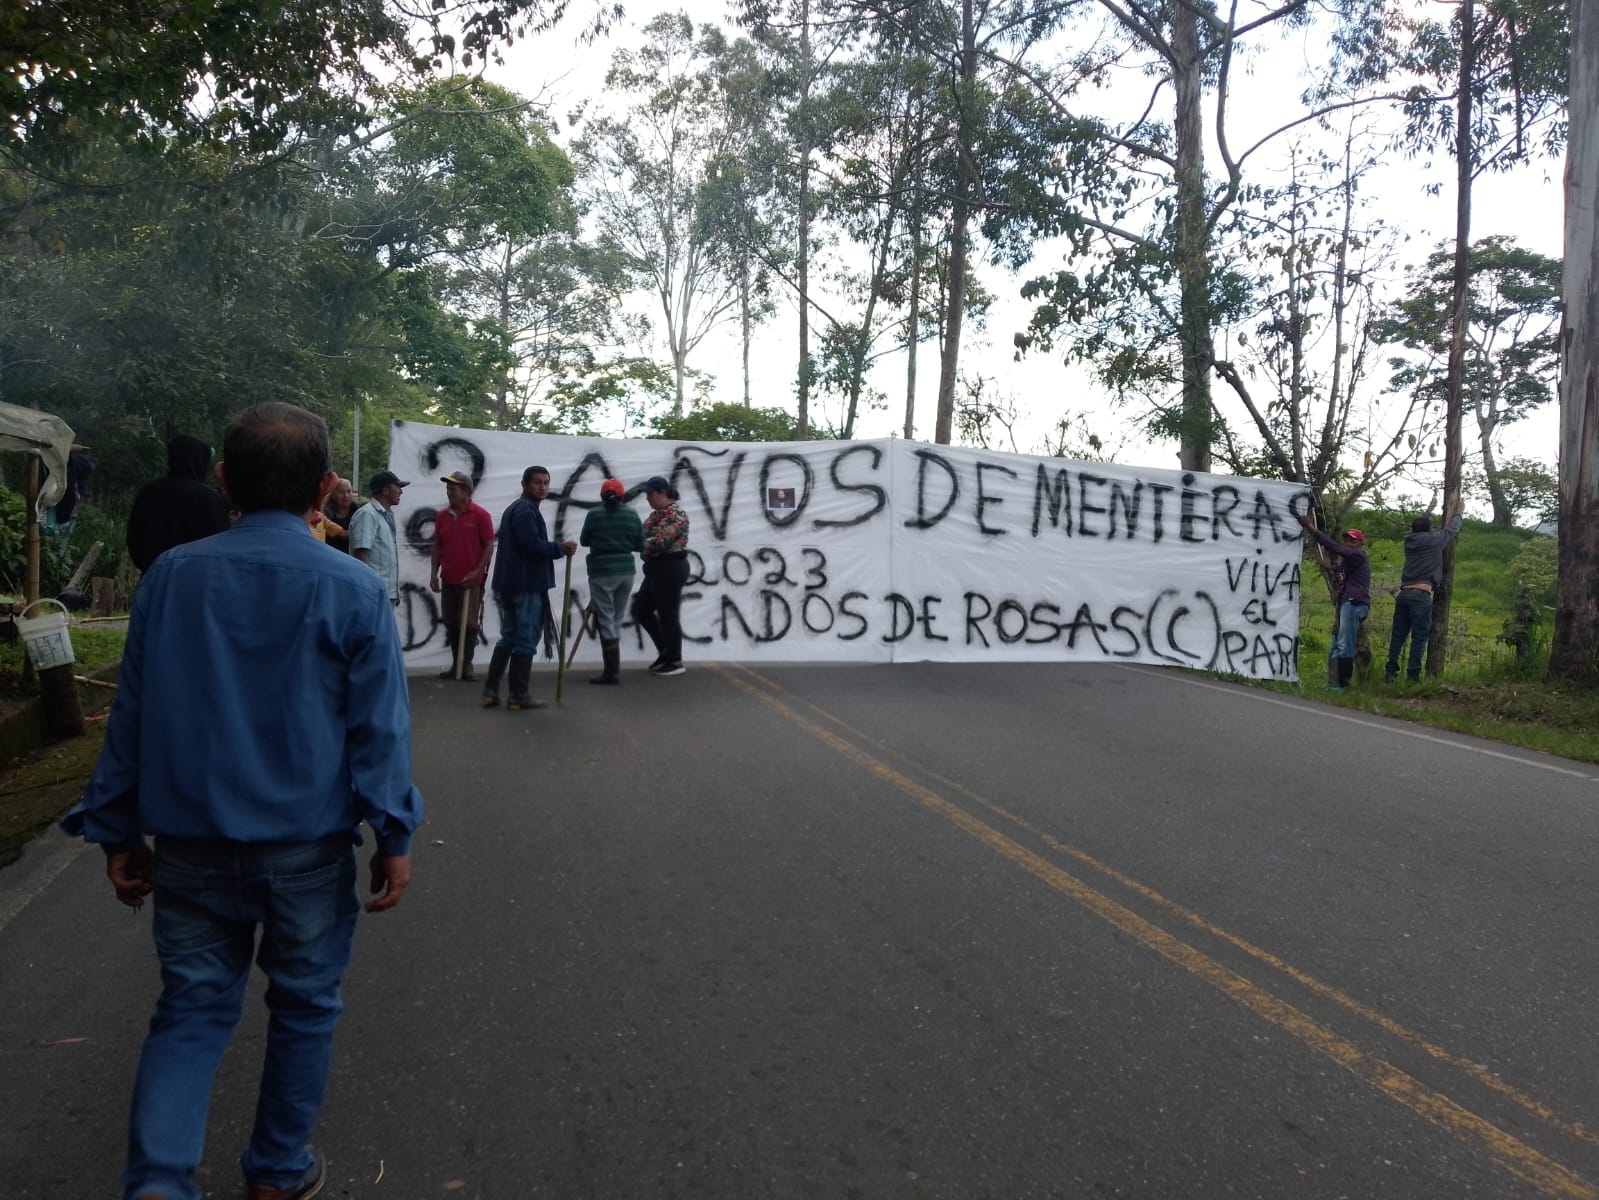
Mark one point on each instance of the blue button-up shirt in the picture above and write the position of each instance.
(372, 530)
(262, 698)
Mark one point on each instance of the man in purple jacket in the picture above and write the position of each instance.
(1354, 596)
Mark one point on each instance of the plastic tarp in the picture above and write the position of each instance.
(48, 436)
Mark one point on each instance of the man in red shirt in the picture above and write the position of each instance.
(463, 543)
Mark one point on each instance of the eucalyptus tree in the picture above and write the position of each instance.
(1306, 278)
(646, 181)
(959, 114)
(865, 196)
(1151, 207)
(1494, 83)
(1574, 651)
(1511, 341)
(469, 191)
(742, 182)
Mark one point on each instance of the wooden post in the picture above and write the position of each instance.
(104, 593)
(30, 538)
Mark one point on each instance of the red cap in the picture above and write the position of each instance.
(612, 487)
(1354, 535)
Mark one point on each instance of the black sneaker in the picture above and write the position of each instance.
(671, 668)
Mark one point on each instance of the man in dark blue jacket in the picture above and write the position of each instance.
(523, 572)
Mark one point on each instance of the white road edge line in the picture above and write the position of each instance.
(1334, 714)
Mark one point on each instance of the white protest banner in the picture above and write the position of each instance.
(898, 551)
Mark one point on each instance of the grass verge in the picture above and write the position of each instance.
(36, 791)
(1530, 713)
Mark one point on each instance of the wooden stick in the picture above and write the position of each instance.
(566, 615)
(582, 628)
(466, 619)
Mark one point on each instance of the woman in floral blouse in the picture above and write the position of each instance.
(656, 605)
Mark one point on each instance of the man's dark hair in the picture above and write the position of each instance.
(274, 456)
(1421, 525)
(532, 471)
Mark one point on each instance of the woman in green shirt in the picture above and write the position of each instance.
(613, 534)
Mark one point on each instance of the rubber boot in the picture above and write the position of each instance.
(521, 675)
(611, 649)
(1346, 671)
(491, 685)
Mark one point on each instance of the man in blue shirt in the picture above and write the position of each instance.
(373, 538)
(523, 571)
(261, 715)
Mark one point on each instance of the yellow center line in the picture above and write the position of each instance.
(1516, 1156)
(1388, 1025)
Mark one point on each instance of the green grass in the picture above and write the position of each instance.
(1485, 691)
(35, 792)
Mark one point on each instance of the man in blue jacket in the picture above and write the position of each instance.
(523, 572)
(261, 715)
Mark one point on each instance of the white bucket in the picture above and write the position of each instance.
(45, 638)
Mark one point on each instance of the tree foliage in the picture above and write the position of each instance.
(1512, 350)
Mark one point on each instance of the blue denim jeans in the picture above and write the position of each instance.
(609, 594)
(521, 621)
(210, 900)
(1412, 619)
(1351, 616)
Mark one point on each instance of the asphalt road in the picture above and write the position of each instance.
(910, 931)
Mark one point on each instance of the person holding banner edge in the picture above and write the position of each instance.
(1354, 596)
(523, 573)
(658, 603)
(463, 543)
(613, 534)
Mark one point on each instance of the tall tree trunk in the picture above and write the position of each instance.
(745, 322)
(1574, 653)
(502, 396)
(1502, 516)
(802, 428)
(913, 327)
(944, 426)
(1454, 384)
(913, 323)
(1193, 242)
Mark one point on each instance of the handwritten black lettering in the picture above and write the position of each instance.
(921, 520)
(878, 495)
(984, 499)
(779, 574)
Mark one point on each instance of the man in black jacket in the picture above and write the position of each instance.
(178, 507)
(1424, 568)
